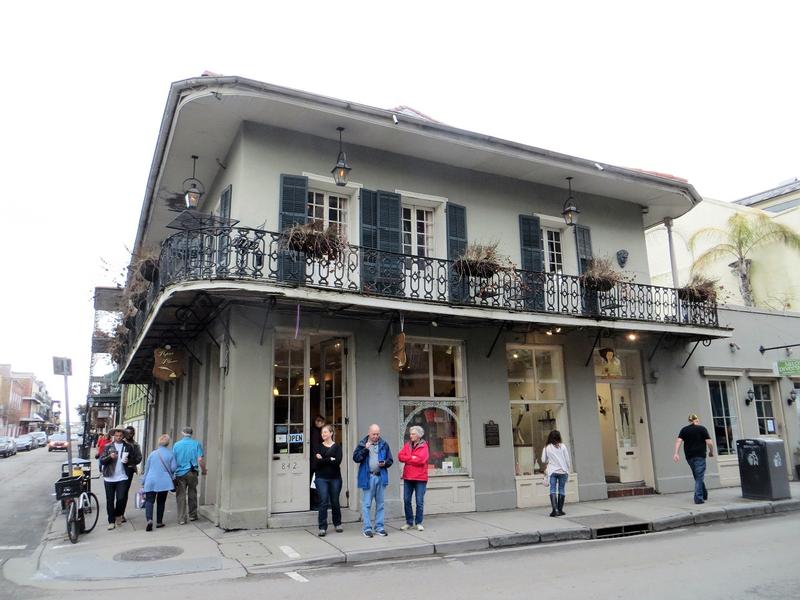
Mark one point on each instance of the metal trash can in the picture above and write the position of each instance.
(85, 466)
(83, 451)
(762, 468)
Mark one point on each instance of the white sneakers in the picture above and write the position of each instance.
(420, 527)
(405, 527)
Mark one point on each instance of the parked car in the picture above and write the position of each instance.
(25, 442)
(8, 447)
(57, 441)
(40, 437)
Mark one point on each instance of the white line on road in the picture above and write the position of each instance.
(296, 576)
(13, 547)
(290, 552)
(397, 561)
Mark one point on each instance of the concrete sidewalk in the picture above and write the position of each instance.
(130, 557)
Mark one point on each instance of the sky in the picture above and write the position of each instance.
(707, 91)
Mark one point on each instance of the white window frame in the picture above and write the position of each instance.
(326, 208)
(548, 264)
(431, 401)
(733, 405)
(351, 191)
(775, 408)
(439, 206)
(430, 234)
(562, 423)
(569, 259)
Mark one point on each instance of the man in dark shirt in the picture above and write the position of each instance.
(695, 438)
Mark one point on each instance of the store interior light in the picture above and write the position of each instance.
(632, 336)
(275, 391)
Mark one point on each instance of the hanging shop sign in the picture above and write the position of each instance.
(399, 358)
(168, 364)
(789, 368)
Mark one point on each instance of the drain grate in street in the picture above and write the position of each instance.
(621, 531)
(612, 524)
(148, 553)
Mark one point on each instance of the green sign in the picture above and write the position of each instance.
(789, 368)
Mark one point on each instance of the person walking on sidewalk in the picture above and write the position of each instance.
(157, 481)
(695, 439)
(328, 479)
(131, 467)
(414, 455)
(112, 462)
(190, 460)
(556, 455)
(374, 459)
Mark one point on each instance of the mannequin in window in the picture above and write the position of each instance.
(612, 367)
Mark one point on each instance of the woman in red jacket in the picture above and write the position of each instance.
(414, 455)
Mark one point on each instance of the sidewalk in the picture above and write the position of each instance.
(130, 557)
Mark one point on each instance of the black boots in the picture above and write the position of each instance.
(561, 506)
(554, 504)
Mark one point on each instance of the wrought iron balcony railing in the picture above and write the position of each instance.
(240, 253)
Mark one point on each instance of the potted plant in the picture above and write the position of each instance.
(314, 240)
(145, 264)
(480, 260)
(119, 344)
(699, 289)
(601, 276)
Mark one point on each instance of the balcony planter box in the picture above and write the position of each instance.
(475, 268)
(699, 289)
(139, 300)
(598, 284)
(313, 241)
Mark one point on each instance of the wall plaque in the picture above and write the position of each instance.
(491, 434)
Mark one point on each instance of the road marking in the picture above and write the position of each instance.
(61, 546)
(13, 547)
(296, 576)
(290, 552)
(397, 561)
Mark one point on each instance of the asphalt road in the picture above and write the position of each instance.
(26, 500)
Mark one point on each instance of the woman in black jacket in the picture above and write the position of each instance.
(113, 463)
(328, 479)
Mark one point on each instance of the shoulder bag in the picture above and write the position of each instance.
(166, 468)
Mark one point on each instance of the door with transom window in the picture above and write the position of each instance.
(417, 224)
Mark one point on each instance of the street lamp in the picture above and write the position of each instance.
(341, 169)
(570, 211)
(193, 189)
(792, 397)
(750, 397)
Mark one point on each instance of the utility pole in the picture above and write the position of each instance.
(63, 366)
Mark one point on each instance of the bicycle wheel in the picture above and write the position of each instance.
(91, 512)
(72, 522)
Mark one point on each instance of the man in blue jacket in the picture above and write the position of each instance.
(374, 459)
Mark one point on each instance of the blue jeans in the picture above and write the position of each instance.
(558, 481)
(418, 489)
(698, 467)
(376, 491)
(329, 490)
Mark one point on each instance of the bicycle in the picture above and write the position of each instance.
(82, 506)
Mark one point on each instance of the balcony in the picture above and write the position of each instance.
(238, 253)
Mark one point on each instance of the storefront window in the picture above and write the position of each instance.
(432, 397)
(288, 394)
(723, 414)
(537, 397)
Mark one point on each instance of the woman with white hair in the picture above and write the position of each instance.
(414, 455)
(159, 472)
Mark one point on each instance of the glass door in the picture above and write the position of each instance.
(332, 403)
(290, 453)
(630, 467)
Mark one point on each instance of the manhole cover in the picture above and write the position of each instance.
(149, 553)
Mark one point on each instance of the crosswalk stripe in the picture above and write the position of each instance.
(13, 547)
(290, 552)
(296, 576)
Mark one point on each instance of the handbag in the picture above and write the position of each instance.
(140, 498)
(166, 468)
(314, 481)
(546, 480)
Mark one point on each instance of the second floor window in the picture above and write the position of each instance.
(327, 209)
(417, 231)
(553, 257)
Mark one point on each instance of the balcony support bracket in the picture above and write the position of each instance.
(500, 329)
(658, 344)
(270, 306)
(385, 333)
(706, 343)
(596, 343)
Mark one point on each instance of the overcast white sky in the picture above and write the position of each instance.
(704, 90)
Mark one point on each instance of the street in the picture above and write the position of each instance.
(26, 501)
(745, 559)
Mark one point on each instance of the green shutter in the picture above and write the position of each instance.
(583, 246)
(532, 253)
(456, 245)
(381, 262)
(294, 195)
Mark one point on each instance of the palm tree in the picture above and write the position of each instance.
(742, 235)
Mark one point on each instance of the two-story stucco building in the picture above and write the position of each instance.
(494, 359)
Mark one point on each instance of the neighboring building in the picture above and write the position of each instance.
(271, 336)
(134, 407)
(775, 277)
(25, 404)
(11, 394)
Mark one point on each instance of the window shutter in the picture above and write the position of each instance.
(294, 194)
(456, 245)
(532, 254)
(583, 246)
(223, 246)
(381, 263)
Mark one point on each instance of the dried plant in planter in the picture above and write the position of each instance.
(314, 240)
(119, 344)
(699, 289)
(145, 264)
(601, 276)
(481, 260)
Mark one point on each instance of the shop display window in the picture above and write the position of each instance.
(432, 396)
(288, 397)
(538, 405)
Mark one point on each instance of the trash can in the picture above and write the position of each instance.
(83, 451)
(762, 468)
(85, 466)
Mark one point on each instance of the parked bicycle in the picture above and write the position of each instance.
(82, 506)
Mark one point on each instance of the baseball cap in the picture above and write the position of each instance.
(693, 417)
